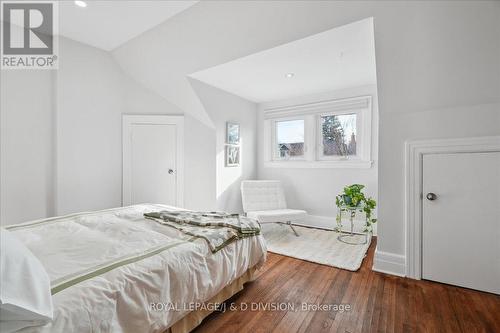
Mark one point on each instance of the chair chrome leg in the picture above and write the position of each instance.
(289, 223)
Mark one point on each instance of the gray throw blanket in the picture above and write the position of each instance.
(216, 228)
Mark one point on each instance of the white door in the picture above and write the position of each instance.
(461, 220)
(152, 160)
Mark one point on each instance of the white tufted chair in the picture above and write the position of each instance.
(264, 200)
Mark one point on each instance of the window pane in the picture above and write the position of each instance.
(339, 135)
(290, 138)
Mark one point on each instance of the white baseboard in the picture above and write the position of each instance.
(329, 223)
(389, 263)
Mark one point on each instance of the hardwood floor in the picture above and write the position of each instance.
(379, 302)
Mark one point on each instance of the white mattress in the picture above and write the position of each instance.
(107, 268)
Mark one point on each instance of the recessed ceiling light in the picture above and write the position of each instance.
(289, 75)
(80, 3)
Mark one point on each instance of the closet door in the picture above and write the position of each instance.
(461, 220)
(152, 154)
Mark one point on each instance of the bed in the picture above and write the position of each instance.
(117, 271)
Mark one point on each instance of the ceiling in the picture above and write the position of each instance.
(108, 24)
(340, 58)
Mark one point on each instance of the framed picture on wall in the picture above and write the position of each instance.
(232, 156)
(232, 133)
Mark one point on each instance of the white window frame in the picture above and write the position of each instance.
(274, 142)
(311, 113)
(319, 136)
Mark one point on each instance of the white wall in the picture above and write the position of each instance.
(223, 107)
(199, 149)
(89, 107)
(314, 189)
(431, 55)
(26, 152)
(61, 148)
(462, 121)
(61, 137)
(92, 95)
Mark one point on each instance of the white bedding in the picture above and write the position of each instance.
(108, 267)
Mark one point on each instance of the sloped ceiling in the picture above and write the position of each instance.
(212, 33)
(339, 58)
(108, 24)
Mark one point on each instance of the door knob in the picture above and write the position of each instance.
(170, 171)
(431, 196)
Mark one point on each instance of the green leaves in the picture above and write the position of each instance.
(354, 197)
(353, 189)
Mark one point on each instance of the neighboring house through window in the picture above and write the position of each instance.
(328, 133)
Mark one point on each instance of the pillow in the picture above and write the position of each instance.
(25, 298)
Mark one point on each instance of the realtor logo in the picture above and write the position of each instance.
(28, 35)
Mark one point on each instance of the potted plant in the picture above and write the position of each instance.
(353, 197)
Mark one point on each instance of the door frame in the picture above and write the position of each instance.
(414, 153)
(127, 122)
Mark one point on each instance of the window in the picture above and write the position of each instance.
(338, 135)
(289, 141)
(323, 134)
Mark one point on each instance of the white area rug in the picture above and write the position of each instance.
(315, 245)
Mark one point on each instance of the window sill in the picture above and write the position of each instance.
(349, 164)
